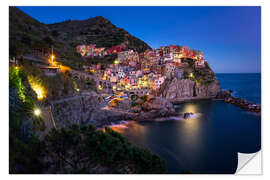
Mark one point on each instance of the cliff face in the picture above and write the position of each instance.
(77, 110)
(178, 89)
(207, 90)
(85, 110)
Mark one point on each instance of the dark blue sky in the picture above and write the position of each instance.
(230, 37)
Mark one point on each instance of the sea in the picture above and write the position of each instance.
(246, 86)
(208, 141)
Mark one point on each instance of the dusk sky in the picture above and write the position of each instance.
(230, 37)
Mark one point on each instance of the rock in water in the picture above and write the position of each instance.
(187, 115)
(158, 104)
(224, 94)
(155, 108)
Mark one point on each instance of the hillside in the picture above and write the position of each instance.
(97, 30)
(27, 34)
(198, 83)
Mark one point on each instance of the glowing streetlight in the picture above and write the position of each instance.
(100, 87)
(37, 112)
(39, 94)
(52, 57)
(191, 75)
(37, 87)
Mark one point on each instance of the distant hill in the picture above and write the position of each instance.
(97, 30)
(26, 33)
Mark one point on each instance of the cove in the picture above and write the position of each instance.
(207, 143)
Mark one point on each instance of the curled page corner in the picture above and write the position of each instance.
(249, 163)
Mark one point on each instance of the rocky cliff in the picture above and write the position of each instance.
(90, 110)
(86, 110)
(184, 89)
(179, 88)
(197, 84)
(207, 90)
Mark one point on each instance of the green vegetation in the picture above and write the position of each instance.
(15, 48)
(21, 100)
(24, 146)
(190, 62)
(27, 34)
(202, 75)
(75, 149)
(55, 33)
(106, 60)
(62, 84)
(84, 149)
(56, 86)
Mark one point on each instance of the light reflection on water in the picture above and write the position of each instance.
(206, 143)
(193, 108)
(139, 131)
(190, 128)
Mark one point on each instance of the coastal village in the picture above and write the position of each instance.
(76, 85)
(141, 73)
(132, 73)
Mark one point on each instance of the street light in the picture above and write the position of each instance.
(52, 57)
(37, 112)
(100, 87)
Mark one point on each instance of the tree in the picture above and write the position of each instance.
(26, 39)
(55, 33)
(25, 149)
(84, 149)
(48, 40)
(15, 49)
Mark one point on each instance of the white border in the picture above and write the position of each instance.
(4, 75)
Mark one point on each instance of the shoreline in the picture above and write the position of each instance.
(243, 104)
(190, 99)
(227, 97)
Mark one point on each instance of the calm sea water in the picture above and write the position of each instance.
(247, 86)
(208, 142)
